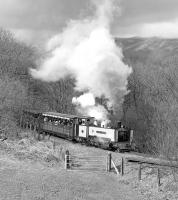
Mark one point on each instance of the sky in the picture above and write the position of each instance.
(35, 21)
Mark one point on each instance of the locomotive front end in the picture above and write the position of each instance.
(123, 139)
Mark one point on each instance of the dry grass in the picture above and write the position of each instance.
(28, 148)
(38, 182)
(31, 169)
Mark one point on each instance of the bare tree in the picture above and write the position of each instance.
(151, 107)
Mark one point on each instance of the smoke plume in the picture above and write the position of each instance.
(86, 50)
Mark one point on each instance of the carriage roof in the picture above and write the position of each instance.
(65, 116)
(32, 112)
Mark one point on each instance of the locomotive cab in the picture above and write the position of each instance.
(122, 139)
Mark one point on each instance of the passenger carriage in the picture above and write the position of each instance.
(83, 129)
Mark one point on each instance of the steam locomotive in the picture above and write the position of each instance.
(80, 129)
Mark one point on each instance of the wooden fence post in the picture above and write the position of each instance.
(158, 178)
(30, 126)
(109, 162)
(38, 136)
(21, 120)
(26, 125)
(22, 124)
(139, 171)
(122, 166)
(67, 166)
(54, 145)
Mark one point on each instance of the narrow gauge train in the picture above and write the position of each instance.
(80, 128)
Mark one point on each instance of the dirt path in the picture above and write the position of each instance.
(33, 181)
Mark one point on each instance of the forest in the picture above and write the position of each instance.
(150, 108)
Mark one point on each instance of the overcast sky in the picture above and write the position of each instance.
(37, 20)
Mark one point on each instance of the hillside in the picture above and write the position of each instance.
(137, 44)
(31, 169)
(142, 49)
(149, 108)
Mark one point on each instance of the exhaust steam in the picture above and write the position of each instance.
(86, 50)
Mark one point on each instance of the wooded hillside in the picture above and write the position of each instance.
(20, 91)
(150, 108)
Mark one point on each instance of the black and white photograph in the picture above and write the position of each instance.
(88, 100)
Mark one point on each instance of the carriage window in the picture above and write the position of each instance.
(45, 119)
(83, 121)
(70, 122)
(80, 121)
(56, 122)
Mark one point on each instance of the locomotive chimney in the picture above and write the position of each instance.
(119, 124)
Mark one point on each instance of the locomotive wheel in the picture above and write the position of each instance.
(99, 145)
(89, 142)
(74, 141)
(119, 150)
(83, 141)
(110, 146)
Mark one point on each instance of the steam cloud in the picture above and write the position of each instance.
(86, 51)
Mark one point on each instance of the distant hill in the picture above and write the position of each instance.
(140, 44)
(140, 49)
